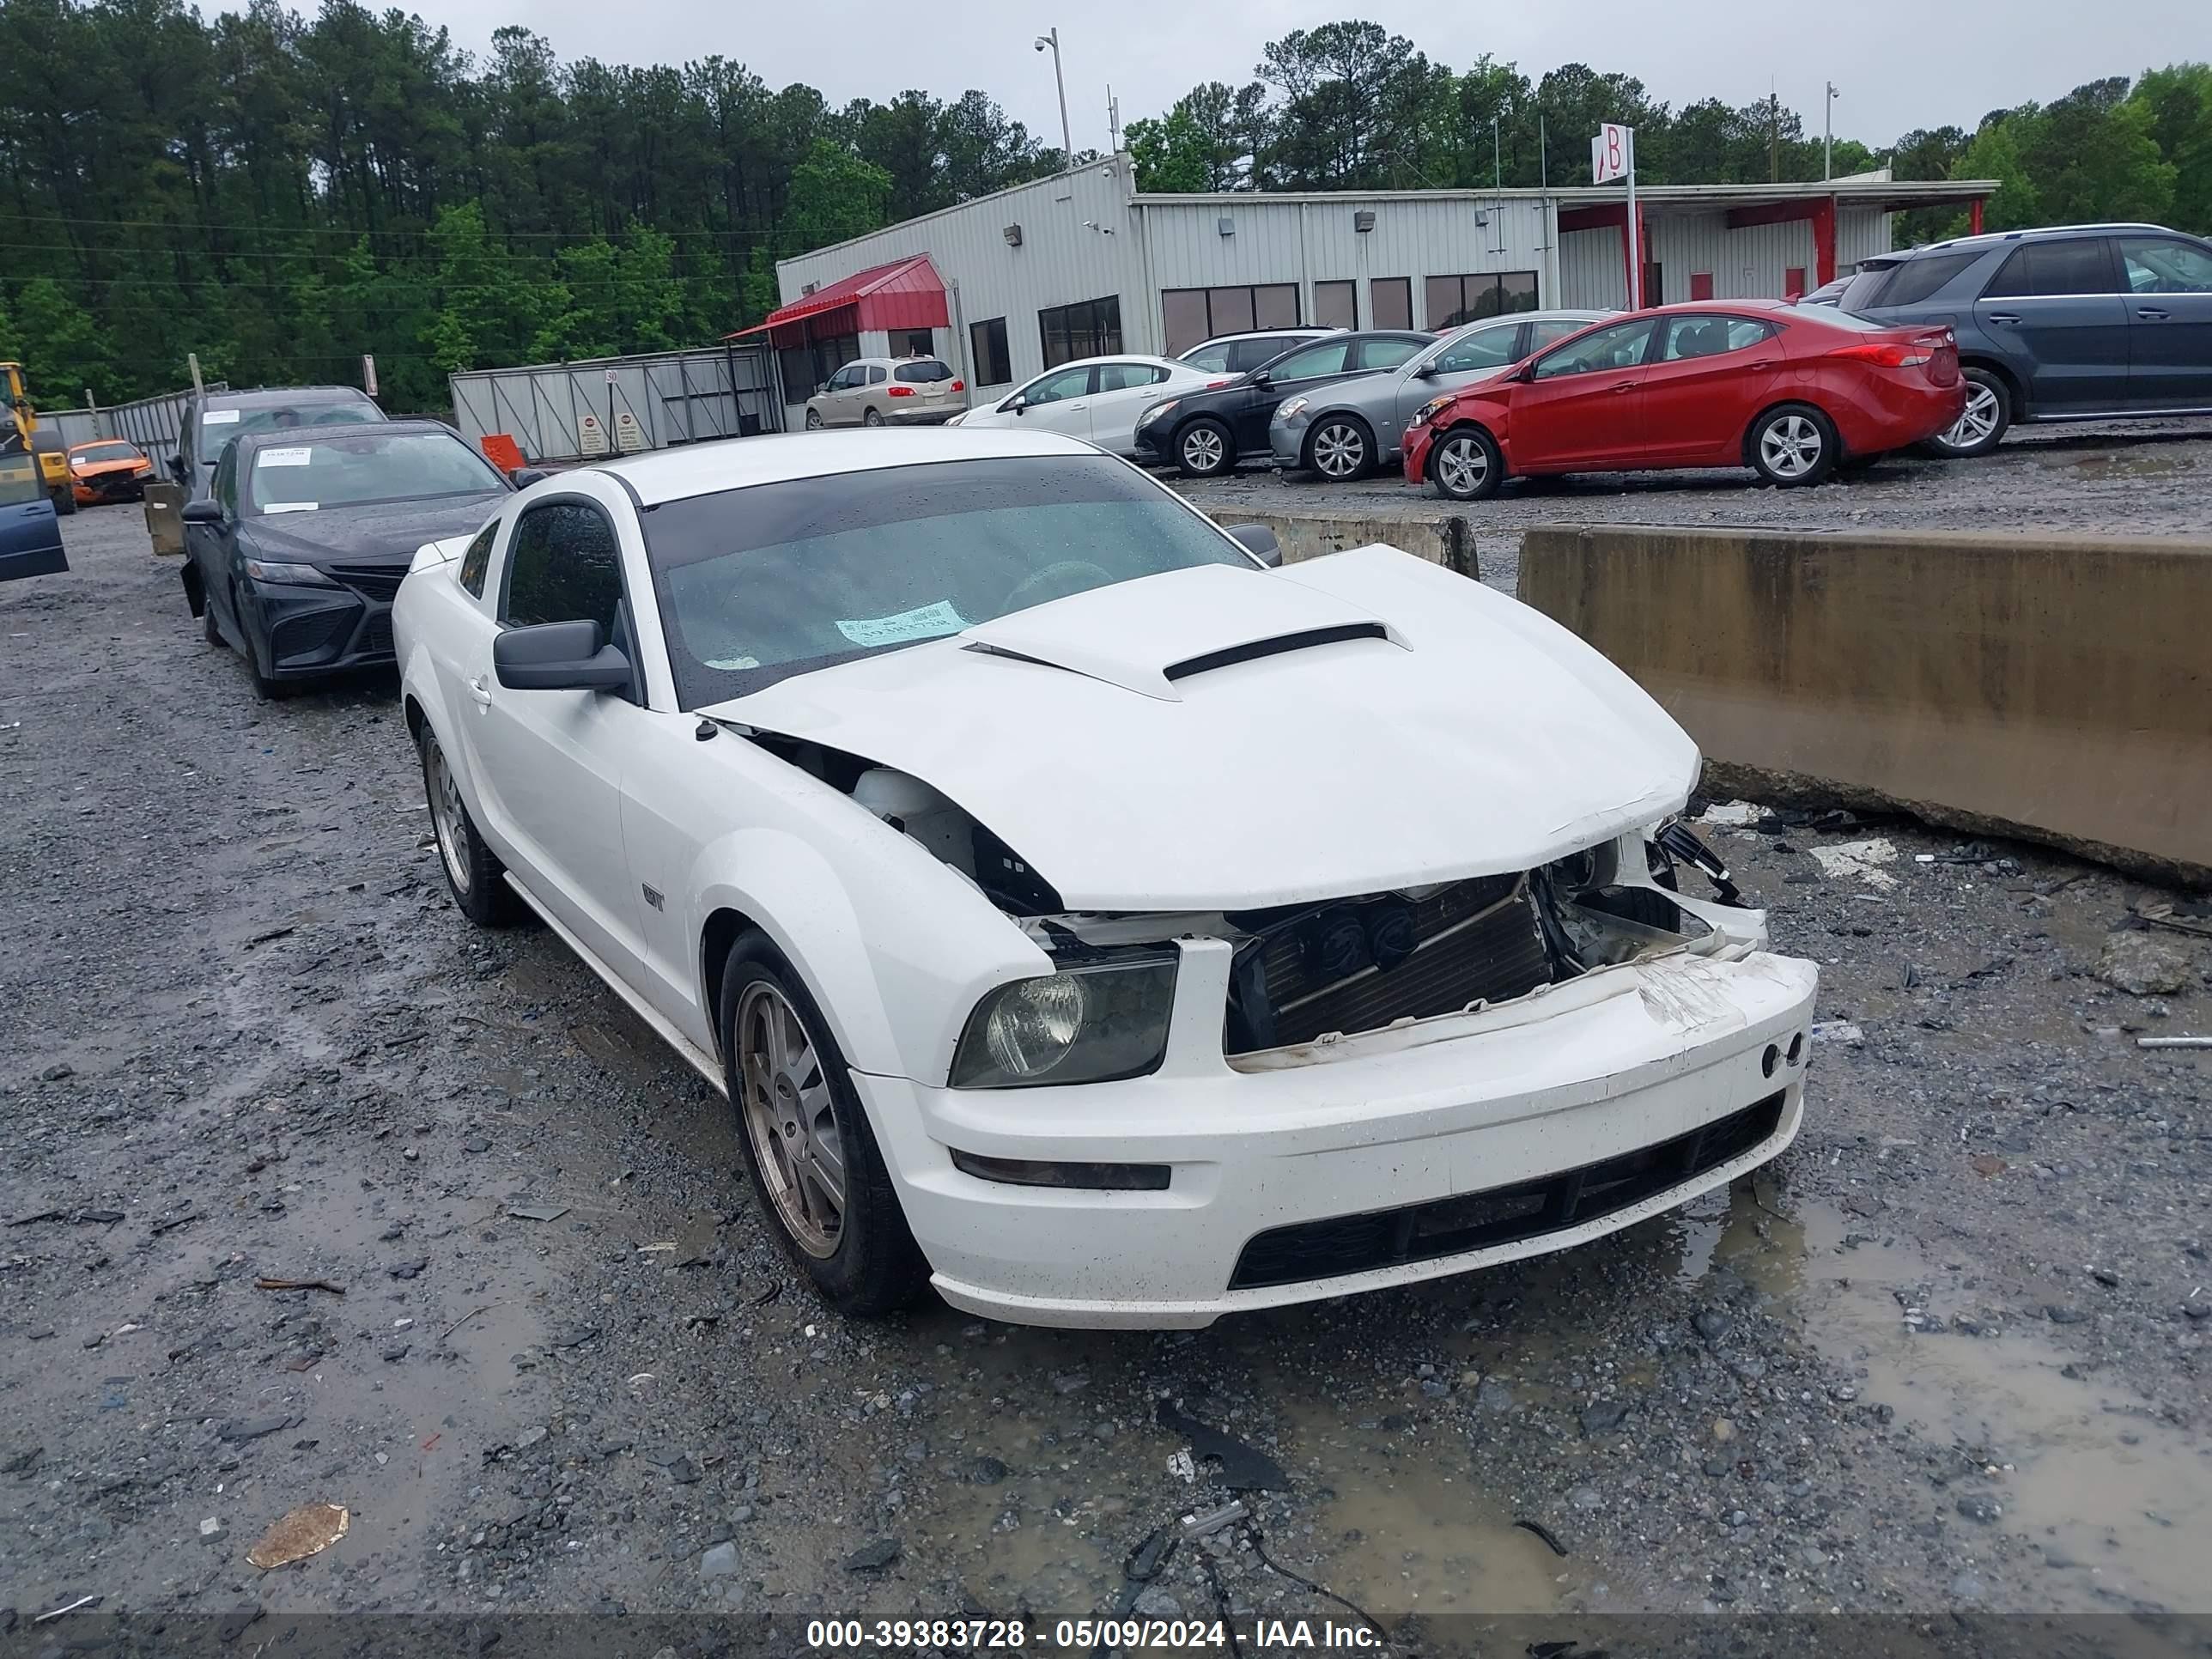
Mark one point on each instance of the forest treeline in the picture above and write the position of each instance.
(281, 193)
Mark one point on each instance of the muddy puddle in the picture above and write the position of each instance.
(2117, 1499)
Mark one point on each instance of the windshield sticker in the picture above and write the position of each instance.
(731, 664)
(926, 623)
(284, 458)
(291, 507)
(220, 418)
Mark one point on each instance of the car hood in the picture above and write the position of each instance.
(1227, 738)
(384, 533)
(101, 469)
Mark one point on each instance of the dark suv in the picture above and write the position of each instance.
(2078, 322)
(1205, 433)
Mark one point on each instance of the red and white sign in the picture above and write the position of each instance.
(1611, 153)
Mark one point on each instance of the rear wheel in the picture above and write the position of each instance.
(807, 1142)
(473, 872)
(1981, 426)
(1793, 446)
(1204, 449)
(1466, 466)
(872, 418)
(1340, 449)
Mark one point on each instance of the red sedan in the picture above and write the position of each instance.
(1786, 391)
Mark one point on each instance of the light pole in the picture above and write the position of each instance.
(1828, 134)
(1051, 38)
(1497, 158)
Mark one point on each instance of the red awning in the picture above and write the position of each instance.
(905, 294)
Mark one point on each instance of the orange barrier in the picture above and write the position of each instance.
(502, 451)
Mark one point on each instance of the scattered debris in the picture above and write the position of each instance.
(2143, 965)
(1243, 1468)
(665, 1246)
(1544, 1532)
(2174, 1043)
(2182, 915)
(80, 1601)
(1180, 1466)
(1988, 1163)
(1730, 814)
(298, 1284)
(407, 1269)
(1859, 860)
(874, 1556)
(252, 1428)
(307, 1530)
(537, 1212)
(37, 1216)
(462, 1321)
(271, 937)
(1202, 1526)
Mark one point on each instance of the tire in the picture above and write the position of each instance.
(266, 687)
(814, 419)
(1792, 446)
(1465, 465)
(210, 630)
(1982, 427)
(1204, 448)
(872, 419)
(803, 1131)
(474, 875)
(1340, 448)
(64, 500)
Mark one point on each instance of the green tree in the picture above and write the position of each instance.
(2177, 101)
(64, 351)
(1170, 154)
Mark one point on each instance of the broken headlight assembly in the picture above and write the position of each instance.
(1429, 410)
(1102, 1016)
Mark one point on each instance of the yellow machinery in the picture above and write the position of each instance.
(22, 436)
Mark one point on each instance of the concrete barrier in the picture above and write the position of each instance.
(1448, 540)
(2058, 689)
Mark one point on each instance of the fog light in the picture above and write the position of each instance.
(1770, 1060)
(1796, 1048)
(1088, 1178)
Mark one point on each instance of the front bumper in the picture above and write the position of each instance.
(308, 632)
(1324, 1156)
(101, 488)
(1287, 439)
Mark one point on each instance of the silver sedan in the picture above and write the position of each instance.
(1344, 430)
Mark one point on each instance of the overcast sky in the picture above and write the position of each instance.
(1897, 64)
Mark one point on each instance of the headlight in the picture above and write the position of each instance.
(956, 419)
(1156, 410)
(1100, 1018)
(1429, 410)
(1293, 410)
(298, 576)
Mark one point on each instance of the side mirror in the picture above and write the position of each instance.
(1427, 371)
(1261, 378)
(523, 476)
(562, 656)
(1259, 541)
(203, 511)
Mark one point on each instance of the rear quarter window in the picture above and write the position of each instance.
(1917, 280)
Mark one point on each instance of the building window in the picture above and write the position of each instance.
(1196, 314)
(1390, 303)
(807, 368)
(1088, 328)
(987, 345)
(1457, 300)
(1336, 305)
(912, 342)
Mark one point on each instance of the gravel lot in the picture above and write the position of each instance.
(2144, 478)
(1949, 1353)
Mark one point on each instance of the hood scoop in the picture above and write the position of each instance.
(1148, 635)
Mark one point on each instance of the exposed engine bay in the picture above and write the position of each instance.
(1311, 974)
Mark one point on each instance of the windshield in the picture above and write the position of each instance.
(760, 584)
(364, 466)
(219, 426)
(91, 453)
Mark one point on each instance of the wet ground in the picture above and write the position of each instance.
(2151, 477)
(1949, 1353)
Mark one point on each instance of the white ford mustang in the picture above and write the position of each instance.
(1086, 918)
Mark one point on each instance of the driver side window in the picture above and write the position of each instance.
(1619, 347)
(1056, 388)
(563, 566)
(225, 487)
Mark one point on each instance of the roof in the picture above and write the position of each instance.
(914, 275)
(673, 474)
(2038, 233)
(1919, 192)
(279, 437)
(259, 396)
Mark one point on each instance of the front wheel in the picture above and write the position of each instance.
(1981, 425)
(807, 1142)
(814, 419)
(1204, 449)
(1467, 466)
(1793, 446)
(1340, 449)
(473, 872)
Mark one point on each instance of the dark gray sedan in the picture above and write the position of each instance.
(308, 533)
(1341, 431)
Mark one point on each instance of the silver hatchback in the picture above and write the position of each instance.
(1345, 430)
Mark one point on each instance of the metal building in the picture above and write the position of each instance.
(1008, 285)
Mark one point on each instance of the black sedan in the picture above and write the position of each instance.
(1207, 433)
(306, 534)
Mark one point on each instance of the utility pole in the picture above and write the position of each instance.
(1051, 38)
(1497, 158)
(1773, 137)
(1828, 136)
(1543, 167)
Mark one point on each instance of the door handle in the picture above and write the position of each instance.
(480, 691)
(2004, 316)
(1767, 362)
(1073, 407)
(1622, 386)
(2151, 313)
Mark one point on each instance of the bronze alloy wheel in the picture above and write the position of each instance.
(792, 1120)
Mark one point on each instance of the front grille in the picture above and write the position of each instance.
(1504, 1215)
(1359, 965)
(375, 640)
(377, 582)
